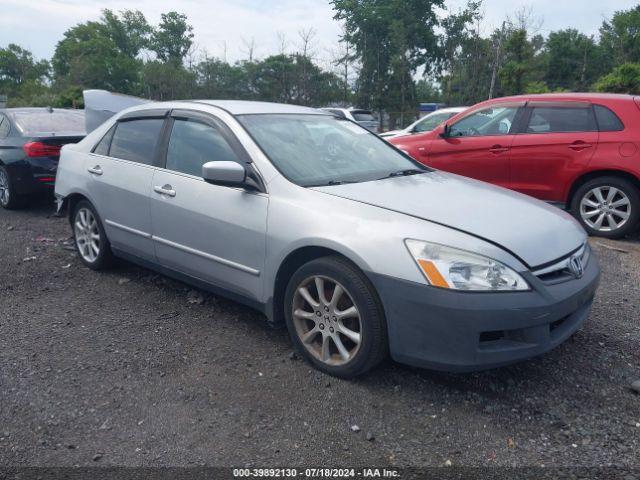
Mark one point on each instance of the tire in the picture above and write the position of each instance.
(363, 337)
(9, 199)
(89, 235)
(593, 201)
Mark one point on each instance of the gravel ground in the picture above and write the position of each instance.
(131, 368)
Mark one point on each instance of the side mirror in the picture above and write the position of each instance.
(445, 132)
(231, 174)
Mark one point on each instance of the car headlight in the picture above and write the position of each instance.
(448, 267)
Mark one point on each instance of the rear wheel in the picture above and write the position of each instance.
(334, 317)
(607, 207)
(9, 199)
(90, 239)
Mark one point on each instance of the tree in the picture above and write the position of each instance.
(18, 69)
(103, 54)
(167, 81)
(218, 79)
(573, 60)
(623, 79)
(455, 37)
(130, 31)
(620, 37)
(391, 39)
(518, 53)
(278, 78)
(172, 39)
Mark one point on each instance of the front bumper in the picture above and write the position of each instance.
(465, 331)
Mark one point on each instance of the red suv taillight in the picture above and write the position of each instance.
(39, 149)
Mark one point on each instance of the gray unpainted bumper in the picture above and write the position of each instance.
(466, 331)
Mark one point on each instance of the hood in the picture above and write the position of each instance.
(533, 231)
(394, 134)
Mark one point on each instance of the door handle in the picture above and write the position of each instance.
(95, 170)
(165, 190)
(498, 149)
(579, 145)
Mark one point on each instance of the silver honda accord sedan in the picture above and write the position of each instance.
(361, 251)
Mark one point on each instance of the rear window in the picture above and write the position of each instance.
(136, 140)
(363, 116)
(556, 119)
(607, 120)
(56, 121)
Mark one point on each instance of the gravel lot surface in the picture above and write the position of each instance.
(131, 368)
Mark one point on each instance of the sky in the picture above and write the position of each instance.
(223, 28)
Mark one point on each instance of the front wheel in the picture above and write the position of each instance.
(90, 239)
(335, 318)
(607, 207)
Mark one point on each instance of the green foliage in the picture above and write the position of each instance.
(620, 37)
(518, 53)
(167, 81)
(623, 79)
(129, 32)
(20, 72)
(427, 91)
(386, 42)
(172, 39)
(89, 57)
(574, 60)
(391, 38)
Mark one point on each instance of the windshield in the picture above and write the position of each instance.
(56, 121)
(432, 120)
(312, 150)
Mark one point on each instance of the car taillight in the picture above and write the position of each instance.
(39, 149)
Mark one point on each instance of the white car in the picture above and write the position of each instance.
(364, 118)
(426, 123)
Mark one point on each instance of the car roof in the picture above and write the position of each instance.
(584, 96)
(37, 110)
(246, 107)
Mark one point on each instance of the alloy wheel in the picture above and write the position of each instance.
(4, 188)
(327, 320)
(605, 208)
(87, 234)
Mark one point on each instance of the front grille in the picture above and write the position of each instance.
(560, 271)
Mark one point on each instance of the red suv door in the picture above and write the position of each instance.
(557, 141)
(478, 144)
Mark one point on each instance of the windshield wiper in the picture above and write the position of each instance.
(330, 183)
(404, 173)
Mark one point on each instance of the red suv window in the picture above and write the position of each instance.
(607, 120)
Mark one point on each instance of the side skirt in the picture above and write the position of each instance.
(196, 282)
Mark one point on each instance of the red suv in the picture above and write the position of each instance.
(577, 150)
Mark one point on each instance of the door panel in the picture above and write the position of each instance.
(478, 145)
(210, 232)
(482, 158)
(558, 141)
(120, 193)
(121, 183)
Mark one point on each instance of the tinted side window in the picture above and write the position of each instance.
(607, 120)
(102, 148)
(136, 140)
(561, 119)
(192, 144)
(5, 126)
